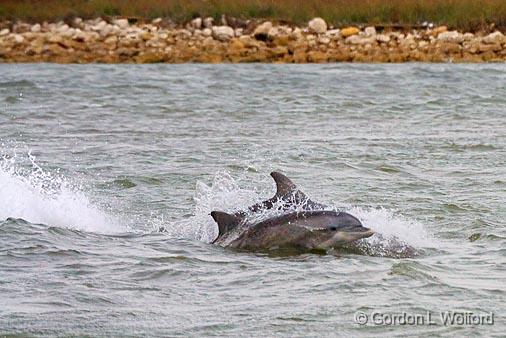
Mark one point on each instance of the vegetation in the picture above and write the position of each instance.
(463, 14)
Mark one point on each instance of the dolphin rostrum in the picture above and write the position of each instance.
(302, 231)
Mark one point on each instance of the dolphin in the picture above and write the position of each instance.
(303, 231)
(286, 197)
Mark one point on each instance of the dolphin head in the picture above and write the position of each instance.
(341, 229)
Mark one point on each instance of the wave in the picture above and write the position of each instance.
(40, 197)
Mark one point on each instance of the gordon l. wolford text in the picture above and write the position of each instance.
(446, 318)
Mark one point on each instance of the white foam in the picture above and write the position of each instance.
(393, 226)
(40, 197)
(223, 194)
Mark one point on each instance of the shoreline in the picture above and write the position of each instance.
(204, 41)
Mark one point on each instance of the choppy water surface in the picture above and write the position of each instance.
(96, 159)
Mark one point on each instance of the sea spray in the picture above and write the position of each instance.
(40, 196)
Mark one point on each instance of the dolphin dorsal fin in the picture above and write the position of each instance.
(284, 185)
(225, 221)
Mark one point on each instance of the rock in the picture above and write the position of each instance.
(21, 27)
(450, 36)
(317, 26)
(261, 32)
(370, 31)
(55, 38)
(99, 26)
(383, 38)
(196, 23)
(438, 30)
(208, 22)
(296, 34)
(223, 33)
(299, 56)
(317, 57)
(468, 36)
(64, 28)
(106, 30)
(238, 32)
(145, 35)
(324, 40)
(121, 23)
(156, 21)
(360, 40)
(273, 33)
(236, 45)
(79, 36)
(111, 40)
(207, 32)
(223, 20)
(281, 40)
(248, 41)
(18, 38)
(349, 31)
(450, 47)
(494, 38)
(36, 28)
(489, 47)
(333, 33)
(4, 32)
(182, 34)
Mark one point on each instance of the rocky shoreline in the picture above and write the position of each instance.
(234, 41)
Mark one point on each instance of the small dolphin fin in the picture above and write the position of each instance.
(284, 185)
(288, 191)
(225, 221)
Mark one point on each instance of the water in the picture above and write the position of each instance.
(96, 159)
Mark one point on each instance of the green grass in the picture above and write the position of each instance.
(462, 14)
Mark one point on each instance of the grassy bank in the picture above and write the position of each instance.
(461, 14)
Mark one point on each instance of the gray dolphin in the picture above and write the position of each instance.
(302, 231)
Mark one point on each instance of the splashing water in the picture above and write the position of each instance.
(396, 235)
(37, 196)
(223, 194)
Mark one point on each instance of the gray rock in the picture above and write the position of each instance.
(370, 31)
(262, 30)
(223, 33)
(36, 28)
(450, 36)
(360, 40)
(208, 22)
(196, 23)
(383, 38)
(493, 38)
(121, 23)
(317, 26)
(333, 33)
